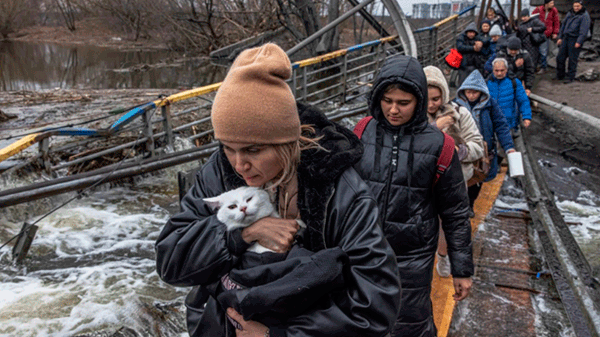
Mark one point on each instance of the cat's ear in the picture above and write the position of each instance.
(214, 203)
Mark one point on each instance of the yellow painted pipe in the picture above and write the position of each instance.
(322, 58)
(19, 145)
(446, 20)
(180, 96)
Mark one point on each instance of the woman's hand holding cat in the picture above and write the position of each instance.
(444, 122)
(273, 233)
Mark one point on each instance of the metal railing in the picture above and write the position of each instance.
(435, 42)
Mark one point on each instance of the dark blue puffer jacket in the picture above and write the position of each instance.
(488, 117)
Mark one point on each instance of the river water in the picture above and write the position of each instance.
(91, 267)
(39, 66)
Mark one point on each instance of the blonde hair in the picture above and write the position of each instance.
(289, 153)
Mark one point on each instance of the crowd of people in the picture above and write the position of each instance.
(525, 45)
(363, 216)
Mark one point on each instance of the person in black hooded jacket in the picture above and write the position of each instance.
(399, 165)
(473, 50)
(265, 142)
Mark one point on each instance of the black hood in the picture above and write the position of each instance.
(471, 27)
(408, 72)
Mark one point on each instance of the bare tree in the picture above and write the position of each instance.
(15, 14)
(331, 40)
(67, 11)
(136, 16)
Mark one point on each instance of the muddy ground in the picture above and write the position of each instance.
(583, 96)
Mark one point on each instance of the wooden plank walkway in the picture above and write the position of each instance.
(442, 288)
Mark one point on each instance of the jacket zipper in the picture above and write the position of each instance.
(393, 168)
(325, 216)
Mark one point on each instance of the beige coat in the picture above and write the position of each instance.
(464, 130)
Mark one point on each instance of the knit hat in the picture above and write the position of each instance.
(495, 30)
(547, 1)
(525, 12)
(578, 1)
(254, 103)
(514, 43)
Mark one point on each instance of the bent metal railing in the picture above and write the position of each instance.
(332, 81)
(335, 82)
(434, 42)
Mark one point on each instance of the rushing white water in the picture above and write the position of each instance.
(91, 266)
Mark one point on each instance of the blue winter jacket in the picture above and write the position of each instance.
(511, 101)
(575, 25)
(488, 117)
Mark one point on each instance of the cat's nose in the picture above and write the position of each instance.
(243, 209)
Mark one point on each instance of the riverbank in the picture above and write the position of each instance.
(89, 31)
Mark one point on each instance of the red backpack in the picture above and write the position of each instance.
(444, 159)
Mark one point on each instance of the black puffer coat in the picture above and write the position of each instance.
(409, 202)
(194, 248)
(466, 47)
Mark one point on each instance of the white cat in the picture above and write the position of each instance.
(241, 208)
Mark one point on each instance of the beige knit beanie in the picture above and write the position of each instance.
(254, 103)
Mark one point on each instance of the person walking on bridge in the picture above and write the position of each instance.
(573, 32)
(400, 165)
(510, 95)
(474, 95)
(472, 49)
(548, 14)
(268, 140)
(456, 121)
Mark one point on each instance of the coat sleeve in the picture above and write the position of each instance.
(584, 28)
(501, 127)
(529, 71)
(462, 46)
(488, 64)
(555, 22)
(561, 32)
(368, 306)
(191, 249)
(470, 133)
(523, 102)
(452, 203)
(538, 26)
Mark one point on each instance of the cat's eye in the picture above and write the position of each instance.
(249, 199)
(232, 206)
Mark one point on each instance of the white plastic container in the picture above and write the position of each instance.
(515, 164)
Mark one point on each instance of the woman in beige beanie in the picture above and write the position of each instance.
(266, 141)
(458, 123)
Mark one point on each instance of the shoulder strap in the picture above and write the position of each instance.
(361, 126)
(514, 83)
(445, 157)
